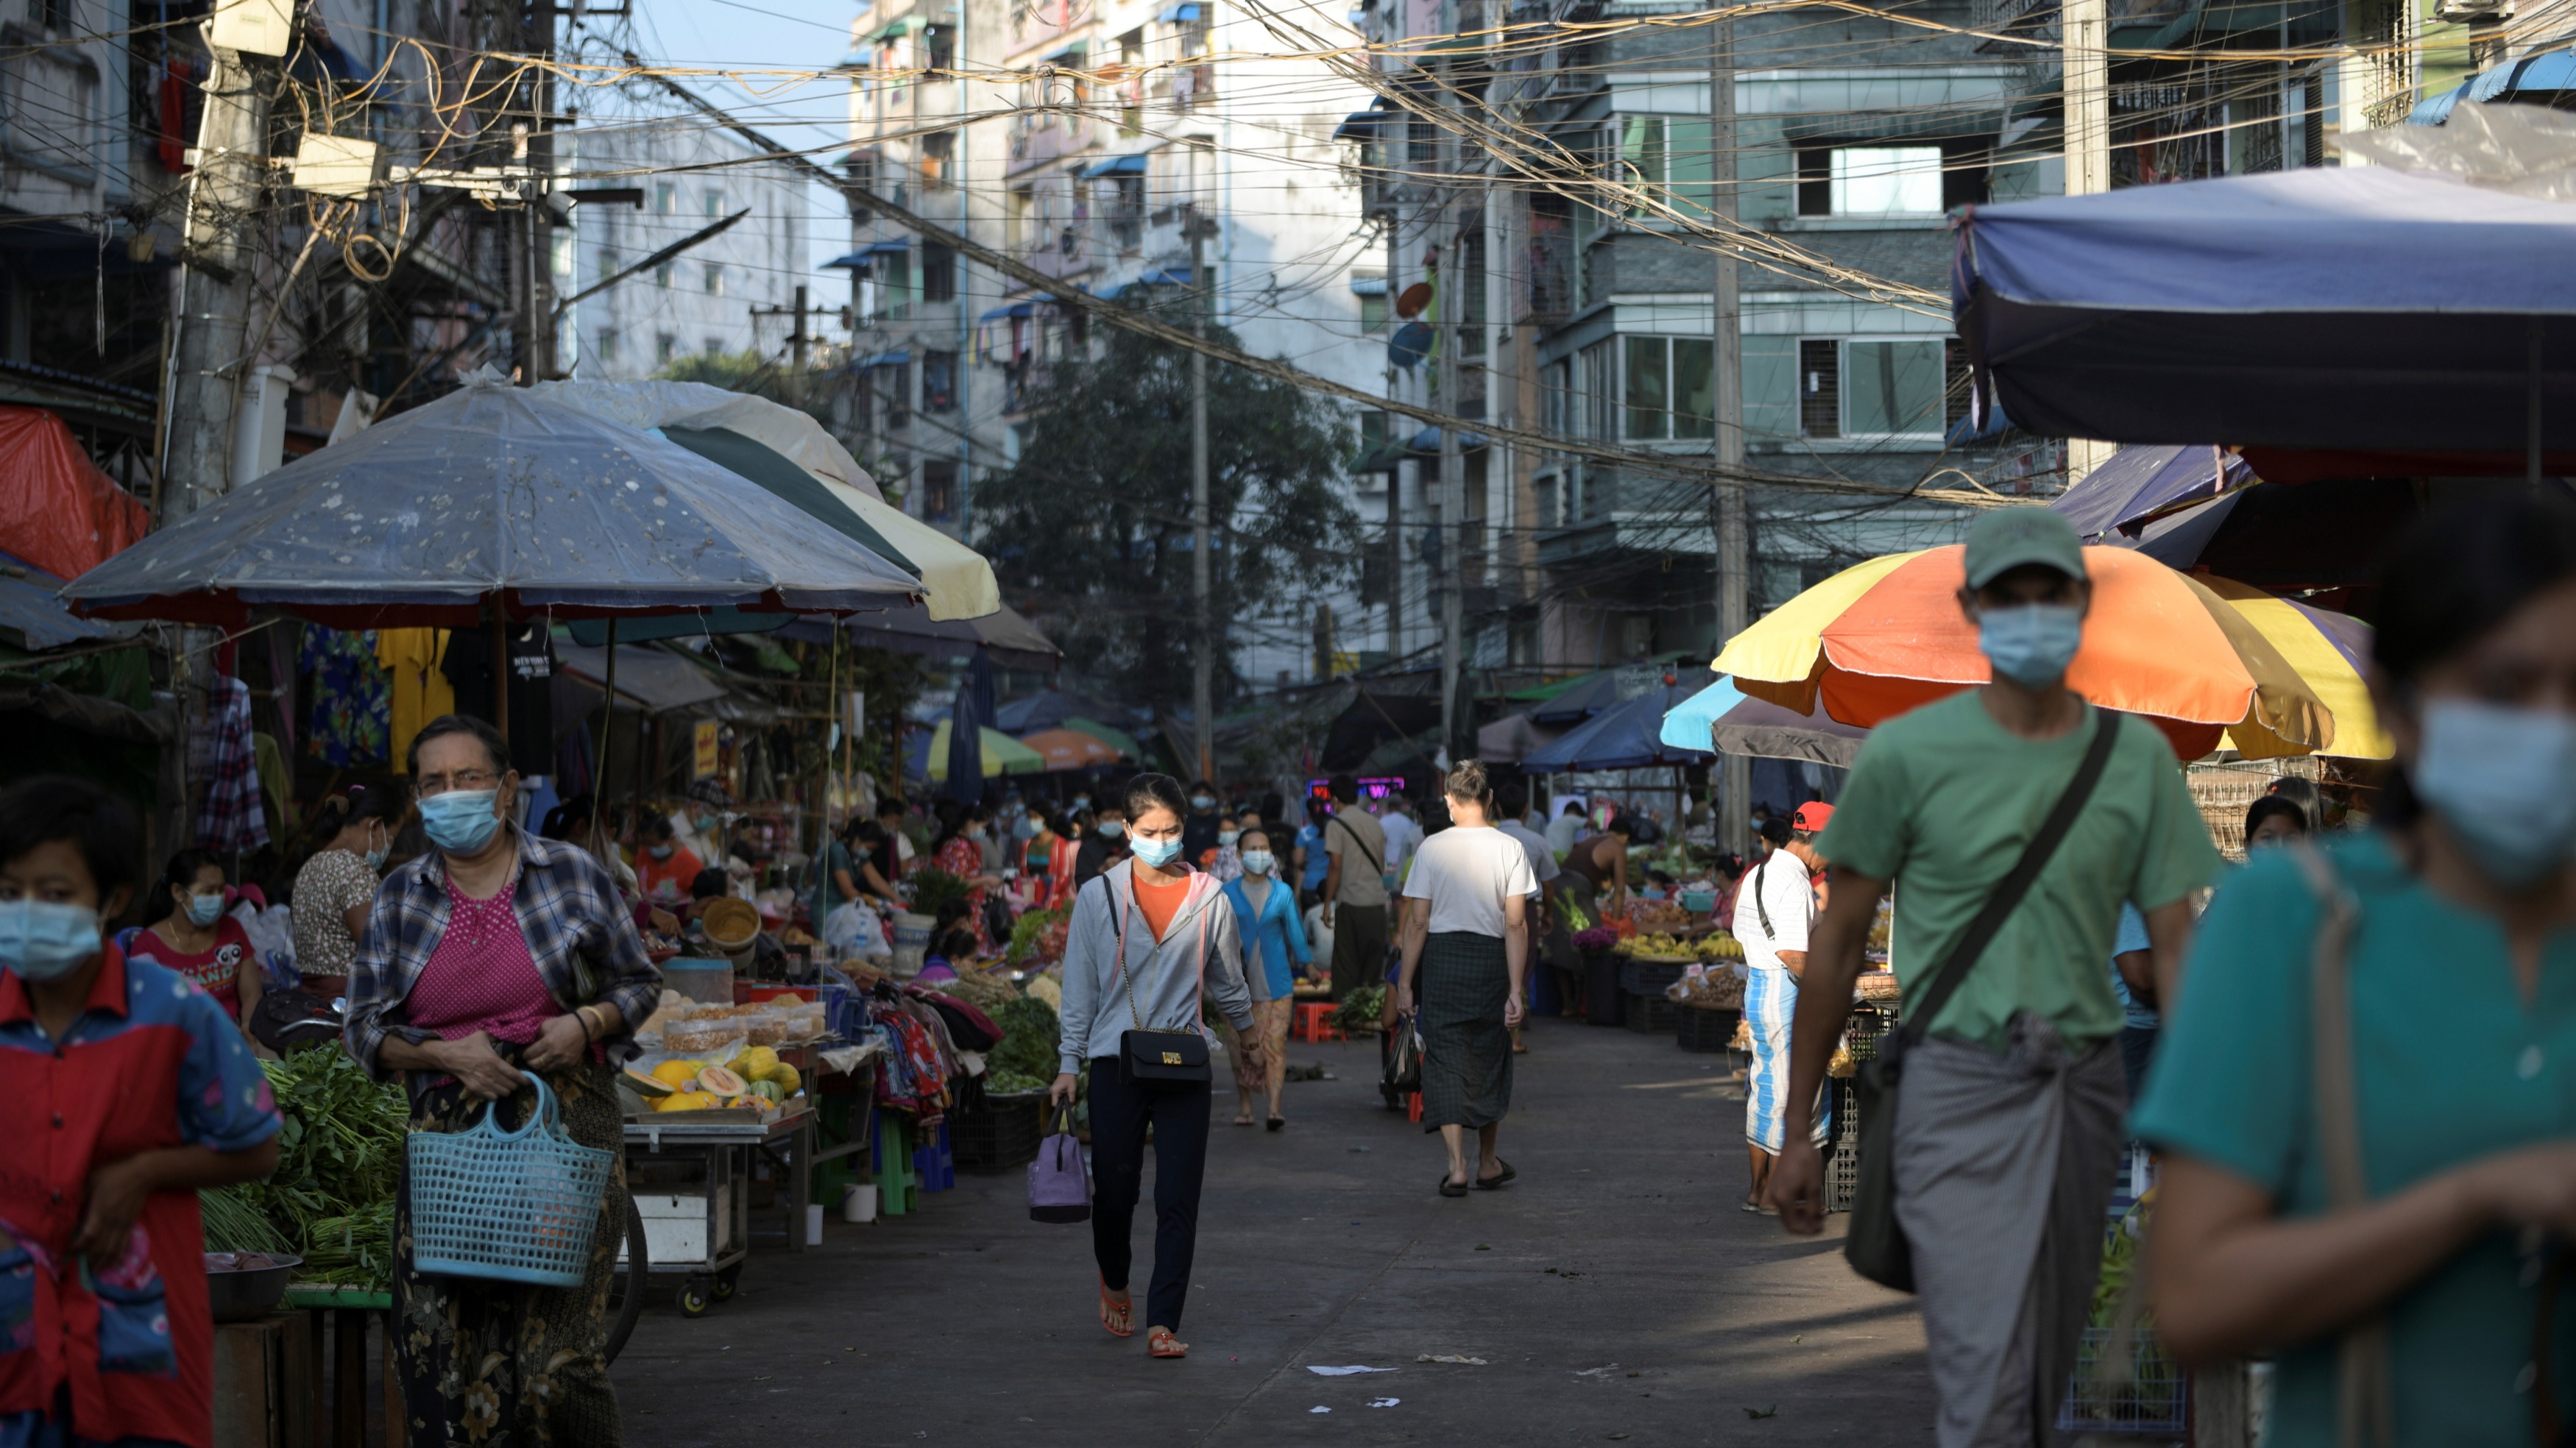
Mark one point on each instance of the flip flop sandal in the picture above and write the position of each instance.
(1160, 1343)
(1114, 1312)
(1495, 1182)
(1449, 1188)
(1277, 1122)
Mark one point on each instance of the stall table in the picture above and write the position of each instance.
(690, 1175)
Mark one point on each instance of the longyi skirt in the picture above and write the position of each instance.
(1467, 1053)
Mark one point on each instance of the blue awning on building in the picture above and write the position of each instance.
(1168, 276)
(1115, 166)
(1070, 55)
(1178, 14)
(1426, 443)
(2553, 70)
(865, 254)
(1015, 309)
(1369, 286)
(883, 359)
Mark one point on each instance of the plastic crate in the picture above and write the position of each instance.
(1003, 1133)
(2154, 1400)
(1695, 1029)
(1649, 1014)
(1842, 1170)
(1649, 977)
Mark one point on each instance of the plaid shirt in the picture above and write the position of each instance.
(579, 933)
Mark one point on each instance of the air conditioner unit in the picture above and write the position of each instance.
(2473, 12)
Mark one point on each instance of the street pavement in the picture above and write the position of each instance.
(1615, 1293)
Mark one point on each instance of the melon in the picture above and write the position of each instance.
(768, 1091)
(718, 1082)
(649, 1087)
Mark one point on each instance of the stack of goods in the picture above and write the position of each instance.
(331, 1199)
(695, 1028)
(1708, 990)
(754, 1081)
(1878, 987)
(1720, 946)
(1659, 916)
(1037, 938)
(1880, 932)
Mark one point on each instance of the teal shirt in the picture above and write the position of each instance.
(2449, 1066)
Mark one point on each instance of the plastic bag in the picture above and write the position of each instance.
(854, 929)
(272, 934)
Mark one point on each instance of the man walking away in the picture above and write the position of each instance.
(1566, 828)
(1546, 928)
(1404, 834)
(1354, 890)
(2008, 1123)
(1774, 911)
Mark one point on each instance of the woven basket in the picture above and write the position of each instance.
(506, 1205)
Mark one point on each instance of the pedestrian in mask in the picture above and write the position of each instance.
(2367, 1085)
(337, 887)
(197, 939)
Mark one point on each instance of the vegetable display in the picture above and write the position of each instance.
(1361, 1009)
(1027, 1051)
(331, 1199)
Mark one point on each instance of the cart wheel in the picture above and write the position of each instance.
(693, 1299)
(627, 1293)
(726, 1280)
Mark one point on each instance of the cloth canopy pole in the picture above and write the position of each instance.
(2531, 444)
(500, 668)
(599, 763)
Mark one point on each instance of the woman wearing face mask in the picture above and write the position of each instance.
(1104, 844)
(1225, 862)
(197, 939)
(495, 954)
(1274, 951)
(2392, 1228)
(668, 867)
(129, 1093)
(959, 850)
(1151, 942)
(336, 888)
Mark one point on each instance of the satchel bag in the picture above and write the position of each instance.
(1874, 1244)
(1059, 1183)
(1404, 1054)
(1156, 1058)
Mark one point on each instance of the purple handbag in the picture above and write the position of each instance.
(1059, 1183)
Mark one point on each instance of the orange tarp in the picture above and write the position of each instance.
(57, 510)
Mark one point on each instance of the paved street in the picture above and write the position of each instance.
(1614, 1292)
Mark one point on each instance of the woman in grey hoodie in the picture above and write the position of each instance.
(1150, 939)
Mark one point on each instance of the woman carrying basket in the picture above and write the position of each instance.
(499, 953)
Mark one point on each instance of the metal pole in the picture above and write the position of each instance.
(1726, 435)
(1202, 691)
(2086, 40)
(214, 288)
(1451, 294)
(599, 766)
(796, 354)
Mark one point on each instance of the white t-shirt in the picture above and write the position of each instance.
(1542, 860)
(1403, 837)
(1789, 894)
(1467, 873)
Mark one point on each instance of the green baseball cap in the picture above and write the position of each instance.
(2004, 539)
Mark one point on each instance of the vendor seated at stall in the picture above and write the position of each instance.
(667, 868)
(130, 1091)
(709, 885)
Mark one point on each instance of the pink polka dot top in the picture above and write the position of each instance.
(481, 976)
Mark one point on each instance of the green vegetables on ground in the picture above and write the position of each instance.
(1027, 1050)
(331, 1199)
(1360, 1010)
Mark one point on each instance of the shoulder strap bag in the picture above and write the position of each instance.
(1365, 852)
(1875, 1245)
(1760, 909)
(1155, 1058)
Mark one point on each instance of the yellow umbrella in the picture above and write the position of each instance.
(1002, 754)
(956, 582)
(2327, 649)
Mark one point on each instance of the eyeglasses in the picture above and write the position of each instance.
(436, 784)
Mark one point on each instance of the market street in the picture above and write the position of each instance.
(1614, 1292)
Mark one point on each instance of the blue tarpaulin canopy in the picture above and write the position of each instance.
(2359, 308)
(1629, 735)
(1012, 309)
(490, 494)
(2139, 482)
(32, 618)
(1115, 166)
(1722, 717)
(2541, 74)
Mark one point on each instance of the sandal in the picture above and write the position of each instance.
(1277, 1122)
(1160, 1343)
(1494, 1182)
(1245, 1120)
(1449, 1188)
(1114, 1314)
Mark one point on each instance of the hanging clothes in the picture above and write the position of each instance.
(229, 816)
(410, 658)
(273, 781)
(468, 666)
(352, 700)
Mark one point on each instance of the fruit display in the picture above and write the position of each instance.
(1720, 946)
(1662, 946)
(1658, 915)
(1715, 989)
(756, 1079)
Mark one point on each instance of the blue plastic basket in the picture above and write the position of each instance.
(508, 1205)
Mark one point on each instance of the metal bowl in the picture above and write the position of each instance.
(247, 1294)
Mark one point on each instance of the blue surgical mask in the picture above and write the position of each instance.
(1227, 837)
(205, 910)
(1081, 802)
(1202, 801)
(1258, 862)
(1111, 829)
(2033, 643)
(460, 821)
(1157, 853)
(44, 940)
(376, 858)
(2504, 780)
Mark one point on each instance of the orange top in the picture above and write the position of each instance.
(1158, 900)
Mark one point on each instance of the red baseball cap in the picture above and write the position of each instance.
(1812, 816)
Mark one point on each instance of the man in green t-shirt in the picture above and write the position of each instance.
(2008, 1126)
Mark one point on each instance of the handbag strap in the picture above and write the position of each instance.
(2000, 905)
(1365, 851)
(1760, 909)
(2365, 1413)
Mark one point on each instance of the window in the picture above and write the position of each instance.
(939, 382)
(938, 160)
(938, 273)
(715, 277)
(1670, 388)
(1666, 157)
(1126, 209)
(608, 337)
(1556, 397)
(663, 272)
(939, 490)
(1421, 142)
(1018, 219)
(1596, 366)
(940, 44)
(559, 253)
(1874, 181)
(666, 199)
(711, 347)
(1471, 288)
(665, 347)
(890, 383)
(898, 284)
(1373, 430)
(1869, 387)
(1373, 311)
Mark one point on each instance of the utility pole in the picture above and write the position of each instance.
(1202, 578)
(533, 146)
(1450, 297)
(2086, 26)
(796, 339)
(214, 309)
(1726, 437)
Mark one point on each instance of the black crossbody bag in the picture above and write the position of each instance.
(1155, 1058)
(1875, 1245)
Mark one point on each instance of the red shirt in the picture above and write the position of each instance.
(217, 971)
(149, 1063)
(666, 882)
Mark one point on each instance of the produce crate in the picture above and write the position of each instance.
(1603, 1005)
(2155, 1401)
(1642, 977)
(1696, 1029)
(1003, 1134)
(1649, 1014)
(1842, 1169)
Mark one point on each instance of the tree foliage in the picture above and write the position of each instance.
(1093, 523)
